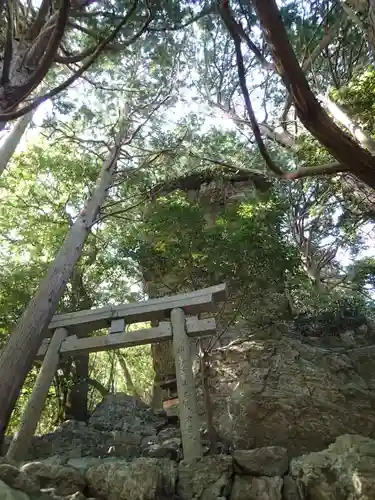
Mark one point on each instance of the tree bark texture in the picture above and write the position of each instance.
(77, 398)
(19, 353)
(30, 418)
(349, 154)
(26, 62)
(13, 139)
(338, 113)
(76, 407)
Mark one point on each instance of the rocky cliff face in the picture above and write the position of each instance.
(275, 388)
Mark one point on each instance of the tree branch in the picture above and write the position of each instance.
(16, 114)
(231, 27)
(235, 27)
(306, 66)
(46, 61)
(205, 12)
(36, 27)
(326, 169)
(347, 152)
(365, 140)
(75, 58)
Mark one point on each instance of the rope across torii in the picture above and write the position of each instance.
(68, 335)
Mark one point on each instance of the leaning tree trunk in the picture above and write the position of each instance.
(13, 139)
(348, 153)
(19, 353)
(363, 138)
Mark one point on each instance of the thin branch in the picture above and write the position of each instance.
(242, 78)
(341, 146)
(226, 165)
(236, 28)
(74, 58)
(306, 66)
(326, 169)
(95, 13)
(205, 12)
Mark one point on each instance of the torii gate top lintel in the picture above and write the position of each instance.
(79, 324)
(86, 321)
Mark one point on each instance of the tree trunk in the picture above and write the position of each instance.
(12, 140)
(127, 375)
(364, 139)
(349, 154)
(76, 403)
(76, 406)
(19, 353)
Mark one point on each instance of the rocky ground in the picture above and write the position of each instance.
(296, 417)
(345, 471)
(129, 452)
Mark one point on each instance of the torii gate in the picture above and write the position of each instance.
(69, 335)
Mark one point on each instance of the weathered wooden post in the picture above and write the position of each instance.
(187, 399)
(30, 418)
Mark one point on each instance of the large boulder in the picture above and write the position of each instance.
(205, 479)
(121, 412)
(8, 493)
(40, 481)
(268, 461)
(142, 479)
(17, 479)
(275, 389)
(346, 470)
(74, 439)
(118, 427)
(65, 480)
(256, 488)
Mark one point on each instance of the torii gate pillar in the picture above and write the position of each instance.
(30, 418)
(187, 399)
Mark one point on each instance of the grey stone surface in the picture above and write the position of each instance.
(17, 479)
(344, 471)
(291, 491)
(142, 479)
(291, 393)
(8, 493)
(119, 426)
(158, 451)
(256, 488)
(205, 479)
(267, 461)
(65, 480)
(169, 432)
(124, 413)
